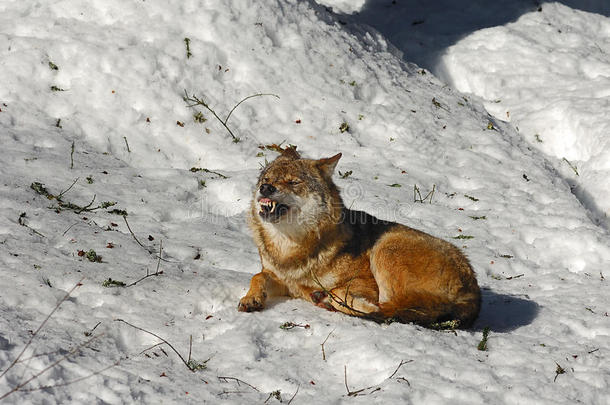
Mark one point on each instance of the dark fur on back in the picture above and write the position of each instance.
(364, 230)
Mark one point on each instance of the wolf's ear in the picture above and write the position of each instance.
(327, 165)
(289, 152)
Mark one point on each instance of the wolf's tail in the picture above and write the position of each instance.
(427, 309)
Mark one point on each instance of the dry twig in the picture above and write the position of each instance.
(294, 395)
(157, 272)
(188, 364)
(374, 388)
(65, 297)
(195, 101)
(322, 344)
(237, 380)
(71, 353)
(144, 247)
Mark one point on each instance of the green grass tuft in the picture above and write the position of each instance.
(113, 283)
(483, 343)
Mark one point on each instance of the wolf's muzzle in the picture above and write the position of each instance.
(267, 189)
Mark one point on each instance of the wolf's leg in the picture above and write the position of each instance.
(262, 285)
(420, 307)
(423, 279)
(358, 297)
(317, 296)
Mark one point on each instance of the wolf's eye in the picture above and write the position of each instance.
(292, 182)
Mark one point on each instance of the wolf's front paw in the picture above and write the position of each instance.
(321, 299)
(251, 303)
(318, 296)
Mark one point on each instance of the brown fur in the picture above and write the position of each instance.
(350, 261)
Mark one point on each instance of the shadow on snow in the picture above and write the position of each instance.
(423, 29)
(504, 313)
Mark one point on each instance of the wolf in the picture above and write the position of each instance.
(312, 247)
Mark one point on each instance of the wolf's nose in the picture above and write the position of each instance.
(267, 189)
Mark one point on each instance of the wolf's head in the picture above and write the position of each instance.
(296, 195)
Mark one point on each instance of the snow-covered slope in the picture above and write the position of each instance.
(543, 66)
(555, 90)
(94, 92)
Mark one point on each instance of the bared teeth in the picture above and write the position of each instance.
(267, 205)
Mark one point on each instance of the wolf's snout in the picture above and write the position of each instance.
(267, 189)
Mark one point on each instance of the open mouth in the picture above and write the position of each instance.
(270, 209)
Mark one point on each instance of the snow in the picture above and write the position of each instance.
(539, 246)
(553, 91)
(544, 67)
